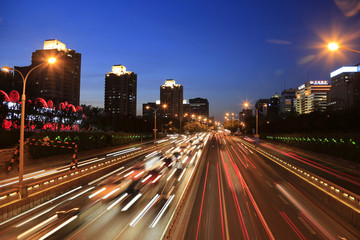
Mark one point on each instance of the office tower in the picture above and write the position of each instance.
(120, 92)
(274, 105)
(262, 107)
(312, 96)
(345, 88)
(287, 101)
(59, 82)
(199, 106)
(171, 94)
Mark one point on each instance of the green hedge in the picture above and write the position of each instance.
(345, 146)
(84, 140)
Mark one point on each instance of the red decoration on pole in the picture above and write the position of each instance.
(14, 96)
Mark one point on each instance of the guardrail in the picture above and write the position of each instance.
(12, 196)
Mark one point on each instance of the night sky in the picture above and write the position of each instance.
(225, 51)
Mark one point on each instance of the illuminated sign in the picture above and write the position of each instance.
(301, 87)
(344, 70)
(319, 82)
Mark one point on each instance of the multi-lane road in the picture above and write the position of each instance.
(241, 197)
(221, 187)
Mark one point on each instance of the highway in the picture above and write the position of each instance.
(238, 195)
(241, 197)
(136, 201)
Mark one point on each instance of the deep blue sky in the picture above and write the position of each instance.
(226, 51)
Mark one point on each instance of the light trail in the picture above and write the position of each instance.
(182, 174)
(145, 179)
(58, 227)
(39, 226)
(292, 225)
(131, 202)
(39, 206)
(144, 211)
(163, 209)
(105, 176)
(202, 202)
(221, 210)
(97, 192)
(172, 173)
(304, 212)
(236, 201)
(111, 193)
(117, 201)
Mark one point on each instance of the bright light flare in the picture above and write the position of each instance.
(52, 60)
(333, 46)
(117, 201)
(171, 175)
(39, 226)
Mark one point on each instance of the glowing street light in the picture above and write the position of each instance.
(22, 190)
(155, 110)
(334, 46)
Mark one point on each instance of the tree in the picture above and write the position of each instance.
(194, 127)
(232, 125)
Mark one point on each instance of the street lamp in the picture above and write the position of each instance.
(333, 46)
(155, 110)
(22, 190)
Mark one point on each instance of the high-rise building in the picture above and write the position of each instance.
(199, 106)
(149, 113)
(345, 88)
(186, 108)
(312, 96)
(120, 91)
(58, 82)
(171, 94)
(274, 105)
(245, 114)
(287, 101)
(262, 107)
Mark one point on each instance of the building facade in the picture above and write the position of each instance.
(274, 105)
(59, 82)
(199, 106)
(262, 107)
(171, 94)
(312, 96)
(345, 88)
(120, 92)
(287, 101)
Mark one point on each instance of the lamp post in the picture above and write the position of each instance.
(334, 46)
(257, 121)
(22, 190)
(155, 110)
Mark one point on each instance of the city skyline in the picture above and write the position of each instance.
(227, 53)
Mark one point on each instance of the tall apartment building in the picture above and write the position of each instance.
(120, 92)
(345, 88)
(58, 82)
(171, 94)
(312, 96)
(199, 106)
